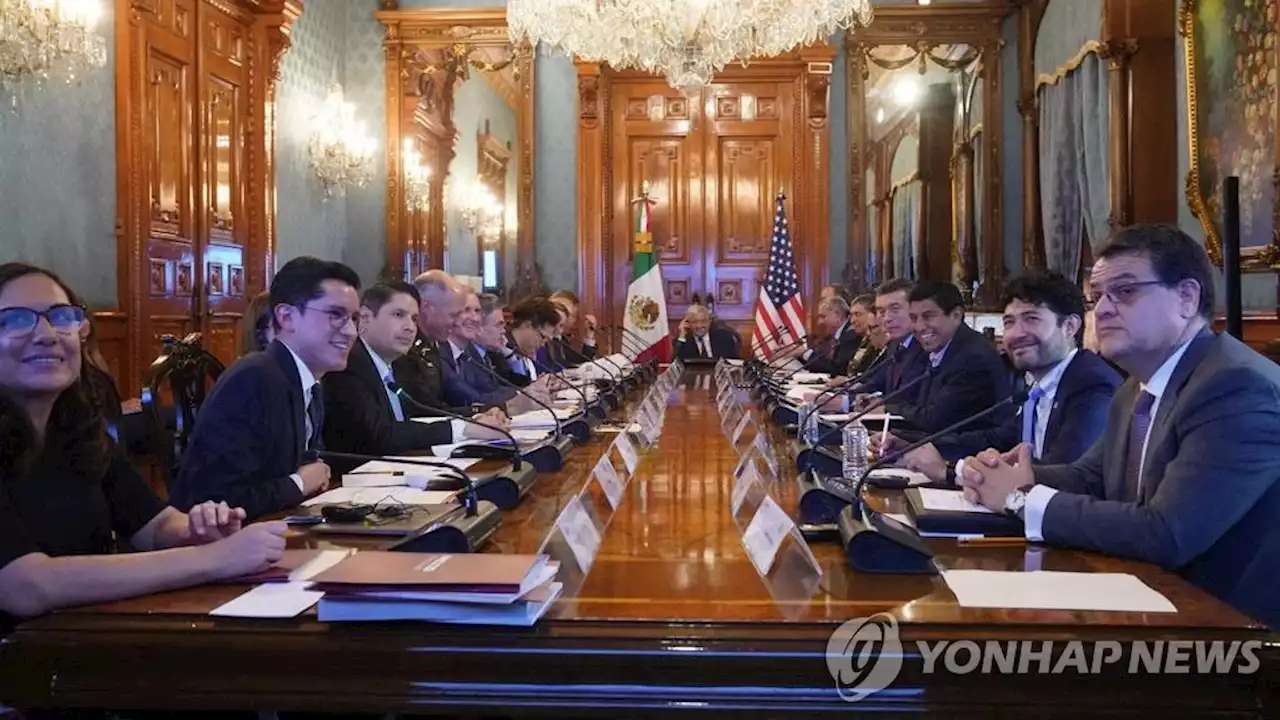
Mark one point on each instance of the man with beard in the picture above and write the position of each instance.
(1071, 388)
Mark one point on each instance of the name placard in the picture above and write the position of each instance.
(628, 452)
(609, 480)
(579, 532)
(765, 533)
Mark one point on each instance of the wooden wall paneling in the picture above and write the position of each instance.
(991, 283)
(595, 256)
(714, 164)
(937, 127)
(195, 84)
(1030, 13)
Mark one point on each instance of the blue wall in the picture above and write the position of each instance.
(58, 178)
(335, 41)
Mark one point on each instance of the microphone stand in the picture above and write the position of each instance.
(877, 544)
(459, 530)
(613, 382)
(559, 428)
(836, 390)
(808, 458)
(503, 490)
(651, 364)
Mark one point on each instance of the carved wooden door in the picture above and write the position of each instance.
(195, 106)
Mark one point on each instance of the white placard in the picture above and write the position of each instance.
(609, 481)
(742, 482)
(580, 532)
(766, 450)
(765, 533)
(740, 428)
(652, 431)
(742, 463)
(628, 453)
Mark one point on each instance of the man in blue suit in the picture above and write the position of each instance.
(1187, 473)
(1071, 388)
(967, 373)
(255, 443)
(465, 381)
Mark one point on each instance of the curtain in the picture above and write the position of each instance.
(1074, 136)
(906, 231)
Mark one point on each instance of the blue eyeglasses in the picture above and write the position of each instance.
(20, 322)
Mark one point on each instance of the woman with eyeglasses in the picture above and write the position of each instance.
(66, 492)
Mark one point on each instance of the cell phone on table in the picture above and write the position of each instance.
(303, 520)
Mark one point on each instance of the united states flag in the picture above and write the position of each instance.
(779, 310)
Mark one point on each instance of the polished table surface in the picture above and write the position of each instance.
(672, 617)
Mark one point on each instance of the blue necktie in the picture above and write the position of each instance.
(1029, 419)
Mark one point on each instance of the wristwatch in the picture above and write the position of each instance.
(1016, 501)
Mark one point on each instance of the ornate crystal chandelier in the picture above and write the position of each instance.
(44, 39)
(417, 176)
(686, 40)
(341, 149)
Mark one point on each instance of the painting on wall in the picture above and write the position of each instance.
(1231, 57)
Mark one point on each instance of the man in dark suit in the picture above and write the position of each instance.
(533, 322)
(492, 341)
(362, 413)
(561, 351)
(1071, 388)
(967, 373)
(421, 371)
(1187, 473)
(700, 340)
(465, 381)
(832, 356)
(905, 361)
(255, 441)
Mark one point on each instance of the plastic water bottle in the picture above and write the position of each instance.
(809, 422)
(854, 461)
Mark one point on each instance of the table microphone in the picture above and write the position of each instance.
(762, 342)
(470, 500)
(837, 389)
(492, 373)
(878, 544)
(615, 379)
(513, 453)
(789, 375)
(883, 400)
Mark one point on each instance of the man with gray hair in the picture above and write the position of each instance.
(832, 356)
(700, 340)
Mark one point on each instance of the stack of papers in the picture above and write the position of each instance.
(463, 589)
(388, 473)
(346, 495)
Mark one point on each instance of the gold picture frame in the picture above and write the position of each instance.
(1259, 258)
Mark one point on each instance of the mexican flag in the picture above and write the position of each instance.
(645, 313)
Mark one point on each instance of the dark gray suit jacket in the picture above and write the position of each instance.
(1209, 501)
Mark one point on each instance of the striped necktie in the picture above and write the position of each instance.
(1137, 438)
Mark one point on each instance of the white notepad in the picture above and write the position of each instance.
(1053, 590)
(948, 500)
(271, 600)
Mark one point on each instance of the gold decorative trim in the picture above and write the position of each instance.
(975, 131)
(1091, 47)
(1252, 258)
(898, 184)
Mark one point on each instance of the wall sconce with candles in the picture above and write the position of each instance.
(42, 39)
(341, 148)
(417, 177)
(481, 212)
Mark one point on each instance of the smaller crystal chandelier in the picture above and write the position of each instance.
(417, 176)
(341, 149)
(44, 39)
(481, 212)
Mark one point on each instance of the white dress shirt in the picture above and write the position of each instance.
(1048, 393)
(308, 382)
(1039, 496)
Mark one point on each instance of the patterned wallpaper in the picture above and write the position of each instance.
(365, 249)
(555, 161)
(59, 142)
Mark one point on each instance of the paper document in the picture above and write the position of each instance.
(809, 378)
(539, 419)
(272, 600)
(1052, 590)
(910, 476)
(868, 419)
(430, 419)
(948, 500)
(385, 473)
(382, 496)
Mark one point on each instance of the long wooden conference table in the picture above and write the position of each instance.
(671, 619)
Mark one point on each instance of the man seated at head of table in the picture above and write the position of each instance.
(363, 414)
(1070, 388)
(68, 492)
(1187, 473)
(967, 374)
(699, 339)
(255, 441)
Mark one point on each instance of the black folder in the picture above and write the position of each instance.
(961, 522)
